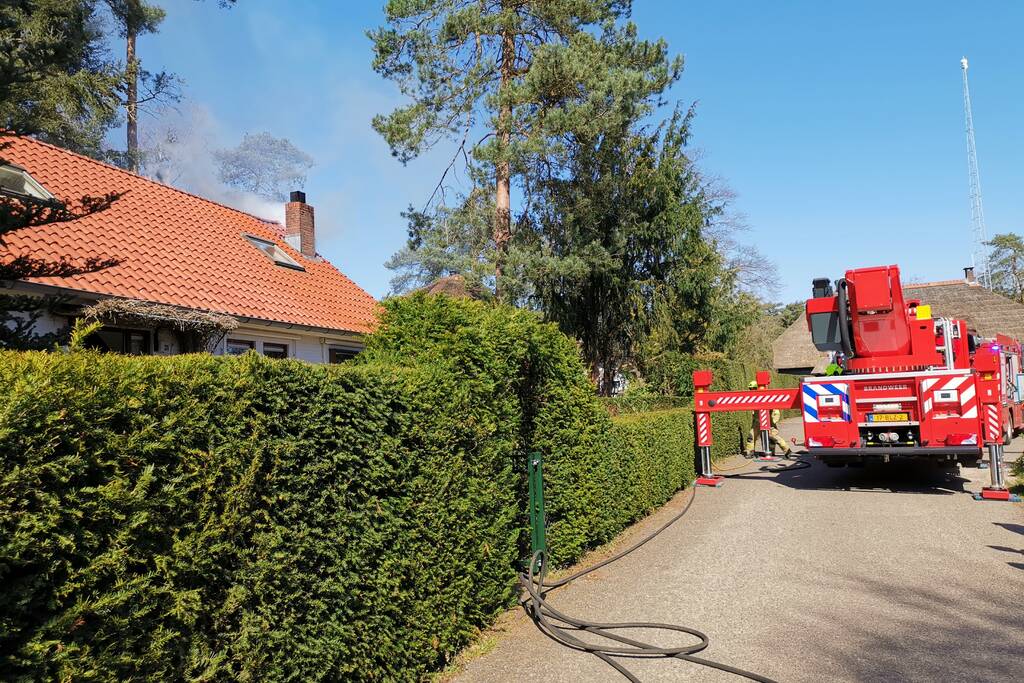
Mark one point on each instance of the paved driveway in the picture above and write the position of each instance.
(887, 574)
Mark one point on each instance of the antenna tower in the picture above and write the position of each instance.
(979, 248)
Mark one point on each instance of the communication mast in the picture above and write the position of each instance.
(979, 248)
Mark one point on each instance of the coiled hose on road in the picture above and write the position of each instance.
(558, 625)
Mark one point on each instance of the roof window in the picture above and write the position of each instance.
(15, 181)
(273, 252)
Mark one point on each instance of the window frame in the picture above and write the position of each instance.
(251, 344)
(126, 333)
(273, 251)
(285, 347)
(37, 192)
(349, 351)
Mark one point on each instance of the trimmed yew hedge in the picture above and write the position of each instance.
(220, 518)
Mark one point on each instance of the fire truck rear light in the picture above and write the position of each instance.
(962, 440)
(821, 442)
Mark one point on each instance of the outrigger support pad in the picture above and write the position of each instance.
(707, 477)
(998, 490)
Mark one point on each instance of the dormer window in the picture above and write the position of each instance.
(16, 182)
(273, 252)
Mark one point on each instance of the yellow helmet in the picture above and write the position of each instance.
(751, 384)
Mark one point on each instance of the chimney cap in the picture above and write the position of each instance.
(298, 196)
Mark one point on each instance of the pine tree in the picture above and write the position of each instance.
(55, 81)
(135, 18)
(509, 81)
(1006, 264)
(55, 84)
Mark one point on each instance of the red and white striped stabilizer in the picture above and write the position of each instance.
(764, 419)
(732, 401)
(703, 429)
(993, 424)
(753, 399)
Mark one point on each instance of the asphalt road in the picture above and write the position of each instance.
(878, 574)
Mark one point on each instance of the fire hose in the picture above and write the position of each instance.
(557, 625)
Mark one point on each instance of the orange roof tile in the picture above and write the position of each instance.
(175, 248)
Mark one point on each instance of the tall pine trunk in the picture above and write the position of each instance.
(503, 169)
(132, 101)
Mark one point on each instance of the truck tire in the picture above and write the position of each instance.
(1008, 432)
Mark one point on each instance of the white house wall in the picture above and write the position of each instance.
(310, 347)
(307, 346)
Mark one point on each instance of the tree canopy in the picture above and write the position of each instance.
(617, 237)
(508, 81)
(264, 165)
(1006, 265)
(55, 79)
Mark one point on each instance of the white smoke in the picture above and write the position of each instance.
(178, 151)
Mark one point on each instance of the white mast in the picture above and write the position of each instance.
(979, 248)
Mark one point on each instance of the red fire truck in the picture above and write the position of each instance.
(905, 384)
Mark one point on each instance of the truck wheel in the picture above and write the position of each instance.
(1008, 432)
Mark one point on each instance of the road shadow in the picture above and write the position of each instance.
(1015, 528)
(918, 477)
(959, 631)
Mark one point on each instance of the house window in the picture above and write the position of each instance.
(236, 347)
(275, 350)
(340, 354)
(273, 252)
(14, 180)
(116, 340)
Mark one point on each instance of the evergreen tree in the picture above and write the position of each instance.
(509, 81)
(614, 249)
(1006, 265)
(264, 165)
(56, 84)
(135, 18)
(55, 80)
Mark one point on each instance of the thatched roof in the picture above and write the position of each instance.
(456, 287)
(794, 353)
(985, 311)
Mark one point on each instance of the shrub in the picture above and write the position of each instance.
(632, 403)
(248, 519)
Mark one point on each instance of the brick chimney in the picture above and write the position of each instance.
(969, 275)
(299, 229)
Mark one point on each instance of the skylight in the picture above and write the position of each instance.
(273, 252)
(14, 180)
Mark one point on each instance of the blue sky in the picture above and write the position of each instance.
(838, 125)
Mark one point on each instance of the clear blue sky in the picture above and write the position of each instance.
(838, 125)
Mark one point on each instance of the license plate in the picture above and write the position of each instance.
(889, 417)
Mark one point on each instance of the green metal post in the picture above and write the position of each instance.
(535, 471)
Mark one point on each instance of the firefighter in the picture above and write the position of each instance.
(774, 438)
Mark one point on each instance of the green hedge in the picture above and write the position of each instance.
(632, 403)
(246, 519)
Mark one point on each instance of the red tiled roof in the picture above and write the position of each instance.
(176, 248)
